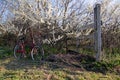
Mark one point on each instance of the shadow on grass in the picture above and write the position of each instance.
(13, 64)
(71, 61)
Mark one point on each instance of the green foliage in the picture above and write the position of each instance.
(8, 39)
(51, 50)
(5, 52)
(87, 51)
(112, 57)
(112, 51)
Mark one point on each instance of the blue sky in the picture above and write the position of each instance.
(93, 1)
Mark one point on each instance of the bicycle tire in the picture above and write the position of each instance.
(16, 54)
(37, 55)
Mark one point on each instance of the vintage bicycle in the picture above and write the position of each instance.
(32, 46)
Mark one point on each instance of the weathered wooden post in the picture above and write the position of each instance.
(97, 26)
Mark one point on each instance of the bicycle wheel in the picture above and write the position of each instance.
(17, 52)
(37, 53)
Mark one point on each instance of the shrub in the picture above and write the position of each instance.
(8, 39)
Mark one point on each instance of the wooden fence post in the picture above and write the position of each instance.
(97, 26)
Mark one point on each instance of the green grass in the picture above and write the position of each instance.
(11, 69)
(5, 52)
(43, 74)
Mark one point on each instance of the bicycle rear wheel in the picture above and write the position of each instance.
(17, 52)
(37, 53)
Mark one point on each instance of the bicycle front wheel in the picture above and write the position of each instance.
(17, 52)
(37, 53)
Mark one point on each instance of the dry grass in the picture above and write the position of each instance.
(11, 69)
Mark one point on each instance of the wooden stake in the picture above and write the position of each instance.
(97, 26)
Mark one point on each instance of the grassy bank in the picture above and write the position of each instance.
(70, 69)
(11, 69)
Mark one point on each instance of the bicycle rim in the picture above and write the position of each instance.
(16, 54)
(37, 53)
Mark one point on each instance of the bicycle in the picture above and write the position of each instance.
(34, 49)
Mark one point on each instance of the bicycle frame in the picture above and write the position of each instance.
(35, 50)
